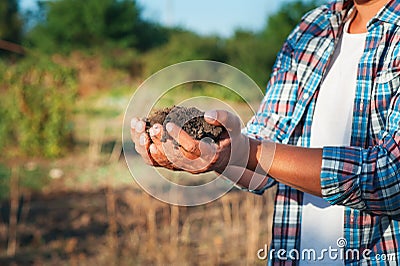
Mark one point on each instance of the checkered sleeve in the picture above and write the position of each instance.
(366, 179)
(273, 115)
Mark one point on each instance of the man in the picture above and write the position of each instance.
(334, 91)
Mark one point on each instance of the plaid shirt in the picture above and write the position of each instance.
(365, 177)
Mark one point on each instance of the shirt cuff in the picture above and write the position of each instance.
(339, 171)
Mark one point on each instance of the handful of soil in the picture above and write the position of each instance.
(189, 119)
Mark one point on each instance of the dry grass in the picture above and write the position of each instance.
(128, 227)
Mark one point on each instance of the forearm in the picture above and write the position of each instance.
(364, 178)
(294, 166)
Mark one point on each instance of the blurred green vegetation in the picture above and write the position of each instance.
(10, 21)
(68, 69)
(73, 24)
(37, 98)
(32, 179)
(78, 54)
(196, 89)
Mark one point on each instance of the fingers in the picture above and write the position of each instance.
(137, 128)
(166, 154)
(178, 157)
(135, 132)
(204, 150)
(141, 140)
(184, 139)
(190, 155)
(133, 128)
(156, 149)
(169, 154)
(160, 158)
(224, 118)
(156, 132)
(143, 148)
(140, 125)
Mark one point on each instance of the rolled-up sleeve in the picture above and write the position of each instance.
(366, 179)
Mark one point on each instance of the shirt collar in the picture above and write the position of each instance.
(390, 13)
(337, 12)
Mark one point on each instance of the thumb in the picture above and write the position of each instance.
(224, 118)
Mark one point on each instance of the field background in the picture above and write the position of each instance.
(67, 72)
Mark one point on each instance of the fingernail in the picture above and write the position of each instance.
(151, 132)
(142, 139)
(157, 128)
(168, 127)
(139, 126)
(154, 130)
(211, 114)
(153, 148)
(133, 122)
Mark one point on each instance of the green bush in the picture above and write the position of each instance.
(69, 25)
(37, 98)
(183, 46)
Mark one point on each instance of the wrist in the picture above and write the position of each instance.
(266, 155)
(238, 155)
(262, 154)
(240, 152)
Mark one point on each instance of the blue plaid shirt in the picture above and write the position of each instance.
(364, 177)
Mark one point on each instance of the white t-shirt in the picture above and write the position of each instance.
(322, 224)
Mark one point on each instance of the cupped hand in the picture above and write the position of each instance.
(198, 156)
(182, 152)
(146, 147)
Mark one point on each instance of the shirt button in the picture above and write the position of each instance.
(306, 95)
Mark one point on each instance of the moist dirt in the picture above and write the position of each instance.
(190, 119)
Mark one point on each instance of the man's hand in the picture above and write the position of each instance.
(141, 140)
(194, 156)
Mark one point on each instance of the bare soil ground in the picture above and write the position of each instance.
(127, 227)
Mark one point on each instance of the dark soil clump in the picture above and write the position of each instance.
(189, 119)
